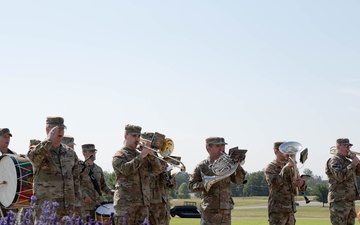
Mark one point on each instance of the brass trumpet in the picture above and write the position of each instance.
(333, 151)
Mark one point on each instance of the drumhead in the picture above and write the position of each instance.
(9, 175)
(105, 209)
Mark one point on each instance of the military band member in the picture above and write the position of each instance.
(5, 136)
(216, 203)
(159, 202)
(69, 141)
(132, 170)
(92, 182)
(342, 170)
(56, 173)
(283, 187)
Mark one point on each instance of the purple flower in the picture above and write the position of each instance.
(146, 222)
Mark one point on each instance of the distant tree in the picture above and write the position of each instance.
(110, 179)
(182, 177)
(321, 192)
(183, 191)
(256, 185)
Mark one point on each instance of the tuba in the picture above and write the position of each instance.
(223, 167)
(290, 148)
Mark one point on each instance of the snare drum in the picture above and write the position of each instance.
(103, 212)
(16, 180)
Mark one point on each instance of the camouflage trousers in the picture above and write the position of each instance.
(131, 215)
(215, 217)
(159, 214)
(342, 213)
(287, 218)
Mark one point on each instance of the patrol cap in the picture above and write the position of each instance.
(88, 147)
(215, 140)
(34, 142)
(343, 141)
(132, 129)
(68, 140)
(277, 144)
(55, 121)
(4, 131)
(147, 136)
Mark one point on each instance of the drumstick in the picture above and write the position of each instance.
(3, 182)
(104, 206)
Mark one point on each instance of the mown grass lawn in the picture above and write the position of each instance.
(253, 211)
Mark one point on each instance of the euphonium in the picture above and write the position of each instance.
(223, 167)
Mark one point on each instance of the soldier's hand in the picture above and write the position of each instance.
(299, 182)
(88, 200)
(355, 161)
(53, 133)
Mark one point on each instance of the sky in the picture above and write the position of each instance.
(253, 72)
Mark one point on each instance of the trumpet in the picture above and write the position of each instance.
(333, 151)
(165, 152)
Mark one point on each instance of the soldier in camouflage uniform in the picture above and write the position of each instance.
(133, 170)
(56, 172)
(69, 141)
(216, 203)
(159, 202)
(91, 189)
(343, 190)
(5, 141)
(5, 136)
(282, 189)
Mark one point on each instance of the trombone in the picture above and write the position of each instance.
(165, 152)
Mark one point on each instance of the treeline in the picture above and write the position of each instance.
(255, 185)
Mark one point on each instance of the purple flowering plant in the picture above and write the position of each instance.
(48, 216)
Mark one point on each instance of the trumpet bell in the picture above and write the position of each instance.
(290, 147)
(167, 148)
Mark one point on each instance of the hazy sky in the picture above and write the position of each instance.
(253, 72)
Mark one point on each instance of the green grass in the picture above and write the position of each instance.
(306, 215)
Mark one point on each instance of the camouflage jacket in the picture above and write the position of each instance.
(87, 186)
(342, 179)
(159, 188)
(133, 173)
(282, 192)
(219, 195)
(56, 175)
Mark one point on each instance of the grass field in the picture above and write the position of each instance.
(253, 211)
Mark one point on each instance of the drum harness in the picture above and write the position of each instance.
(91, 175)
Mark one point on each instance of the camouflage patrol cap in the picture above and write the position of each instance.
(147, 136)
(34, 142)
(55, 121)
(4, 131)
(132, 129)
(277, 144)
(343, 141)
(215, 140)
(88, 147)
(68, 140)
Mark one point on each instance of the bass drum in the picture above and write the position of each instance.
(103, 212)
(16, 182)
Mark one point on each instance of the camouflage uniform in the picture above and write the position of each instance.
(88, 190)
(56, 177)
(342, 189)
(132, 195)
(282, 192)
(159, 203)
(217, 203)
